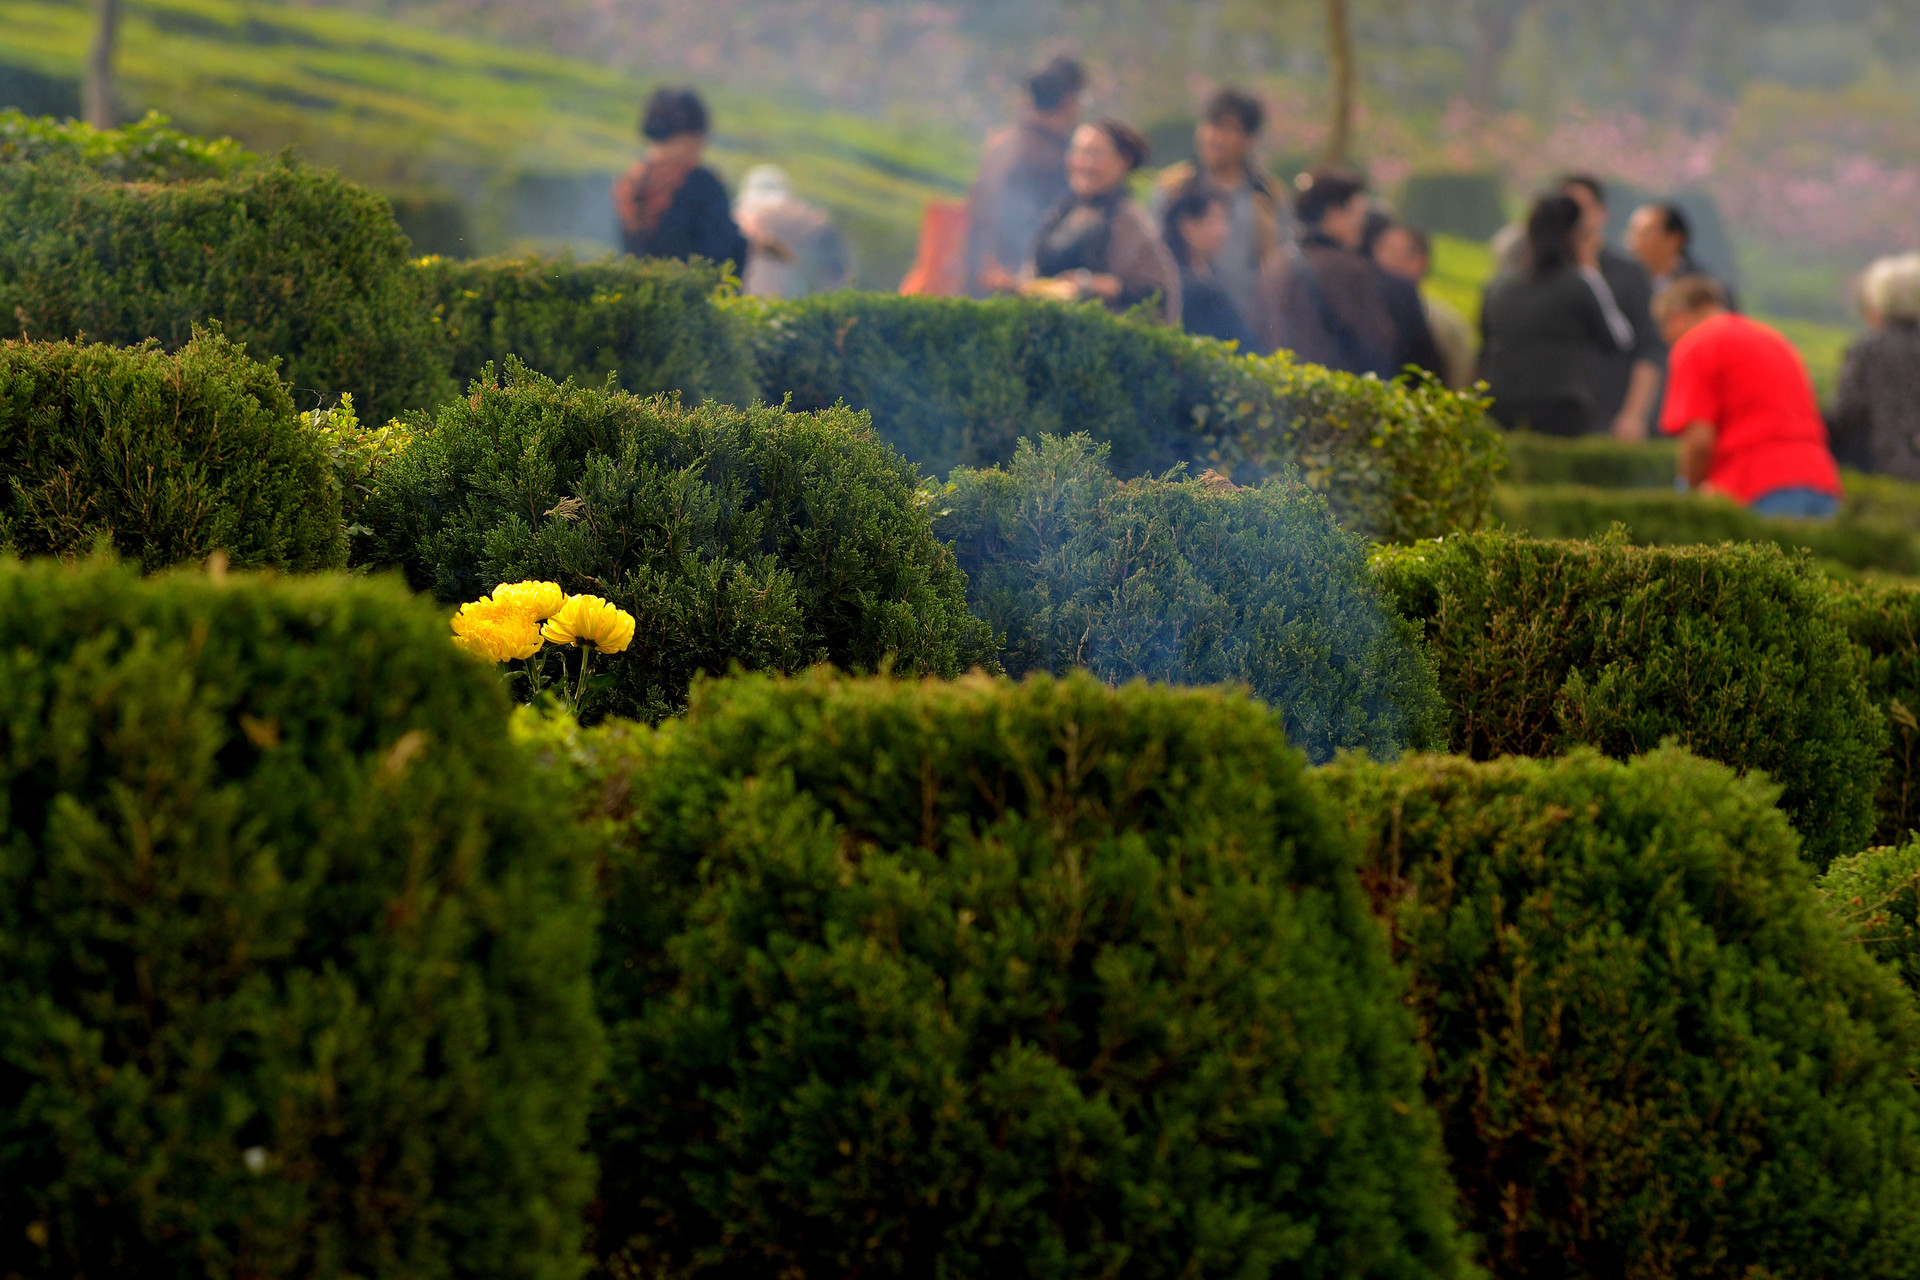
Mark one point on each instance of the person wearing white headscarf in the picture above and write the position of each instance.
(796, 249)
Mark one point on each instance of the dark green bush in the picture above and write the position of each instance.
(976, 979)
(1736, 651)
(167, 457)
(1598, 461)
(1176, 579)
(146, 151)
(1652, 1050)
(1884, 620)
(294, 952)
(1469, 205)
(953, 382)
(1669, 518)
(1876, 893)
(296, 262)
(653, 325)
(749, 536)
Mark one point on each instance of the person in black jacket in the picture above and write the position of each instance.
(1196, 229)
(1414, 342)
(670, 206)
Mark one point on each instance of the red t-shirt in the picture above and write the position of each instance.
(1747, 380)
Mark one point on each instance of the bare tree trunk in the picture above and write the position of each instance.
(1495, 22)
(1340, 67)
(102, 111)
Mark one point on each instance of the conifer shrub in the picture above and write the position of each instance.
(167, 458)
(653, 325)
(1192, 582)
(733, 536)
(954, 382)
(1736, 652)
(1884, 620)
(1876, 893)
(293, 945)
(977, 978)
(1653, 1051)
(295, 262)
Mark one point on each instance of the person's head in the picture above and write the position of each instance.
(1333, 202)
(1686, 303)
(1196, 226)
(675, 119)
(1056, 91)
(1373, 227)
(765, 186)
(1591, 195)
(1224, 138)
(1890, 291)
(1102, 154)
(1403, 251)
(1554, 227)
(1658, 235)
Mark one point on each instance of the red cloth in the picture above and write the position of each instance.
(940, 268)
(1747, 381)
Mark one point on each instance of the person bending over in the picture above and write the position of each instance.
(1742, 404)
(669, 205)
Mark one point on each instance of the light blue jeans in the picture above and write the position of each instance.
(1808, 504)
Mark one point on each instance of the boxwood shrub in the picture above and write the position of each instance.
(146, 151)
(974, 978)
(293, 945)
(953, 382)
(1884, 620)
(1193, 582)
(1736, 651)
(1876, 893)
(295, 261)
(734, 536)
(167, 458)
(1653, 1051)
(654, 326)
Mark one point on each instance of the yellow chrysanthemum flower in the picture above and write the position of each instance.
(591, 620)
(537, 601)
(495, 631)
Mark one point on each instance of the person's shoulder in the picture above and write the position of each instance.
(1615, 265)
(1175, 177)
(705, 183)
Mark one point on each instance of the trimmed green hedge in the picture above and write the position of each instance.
(145, 151)
(1737, 652)
(953, 382)
(293, 950)
(295, 262)
(1653, 1051)
(1600, 462)
(167, 458)
(1884, 620)
(973, 979)
(734, 536)
(654, 326)
(1178, 580)
(1877, 894)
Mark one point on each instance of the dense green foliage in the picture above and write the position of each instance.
(168, 458)
(652, 325)
(1884, 620)
(1597, 461)
(1653, 1051)
(734, 536)
(294, 261)
(146, 151)
(1736, 651)
(1877, 894)
(1468, 205)
(1179, 580)
(293, 959)
(974, 979)
(952, 382)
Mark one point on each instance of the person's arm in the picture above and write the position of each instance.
(1849, 420)
(1696, 452)
(1643, 388)
(716, 236)
(1139, 266)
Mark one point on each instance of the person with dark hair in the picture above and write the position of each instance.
(1257, 224)
(1407, 252)
(1743, 407)
(1544, 325)
(1324, 301)
(1023, 174)
(670, 206)
(1626, 384)
(1414, 343)
(1098, 243)
(1197, 228)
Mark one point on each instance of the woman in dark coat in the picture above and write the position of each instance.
(670, 206)
(1875, 418)
(1196, 229)
(1547, 325)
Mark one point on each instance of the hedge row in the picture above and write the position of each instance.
(1877, 894)
(1884, 620)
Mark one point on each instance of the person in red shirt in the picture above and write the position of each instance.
(1742, 404)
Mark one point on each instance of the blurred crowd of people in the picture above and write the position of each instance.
(1575, 336)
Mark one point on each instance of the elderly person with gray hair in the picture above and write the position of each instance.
(1875, 416)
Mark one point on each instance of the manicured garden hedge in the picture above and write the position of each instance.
(974, 978)
(1736, 651)
(655, 326)
(954, 382)
(1876, 893)
(1653, 1051)
(1180, 580)
(734, 536)
(296, 262)
(1884, 620)
(166, 458)
(1599, 462)
(293, 950)
(145, 151)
